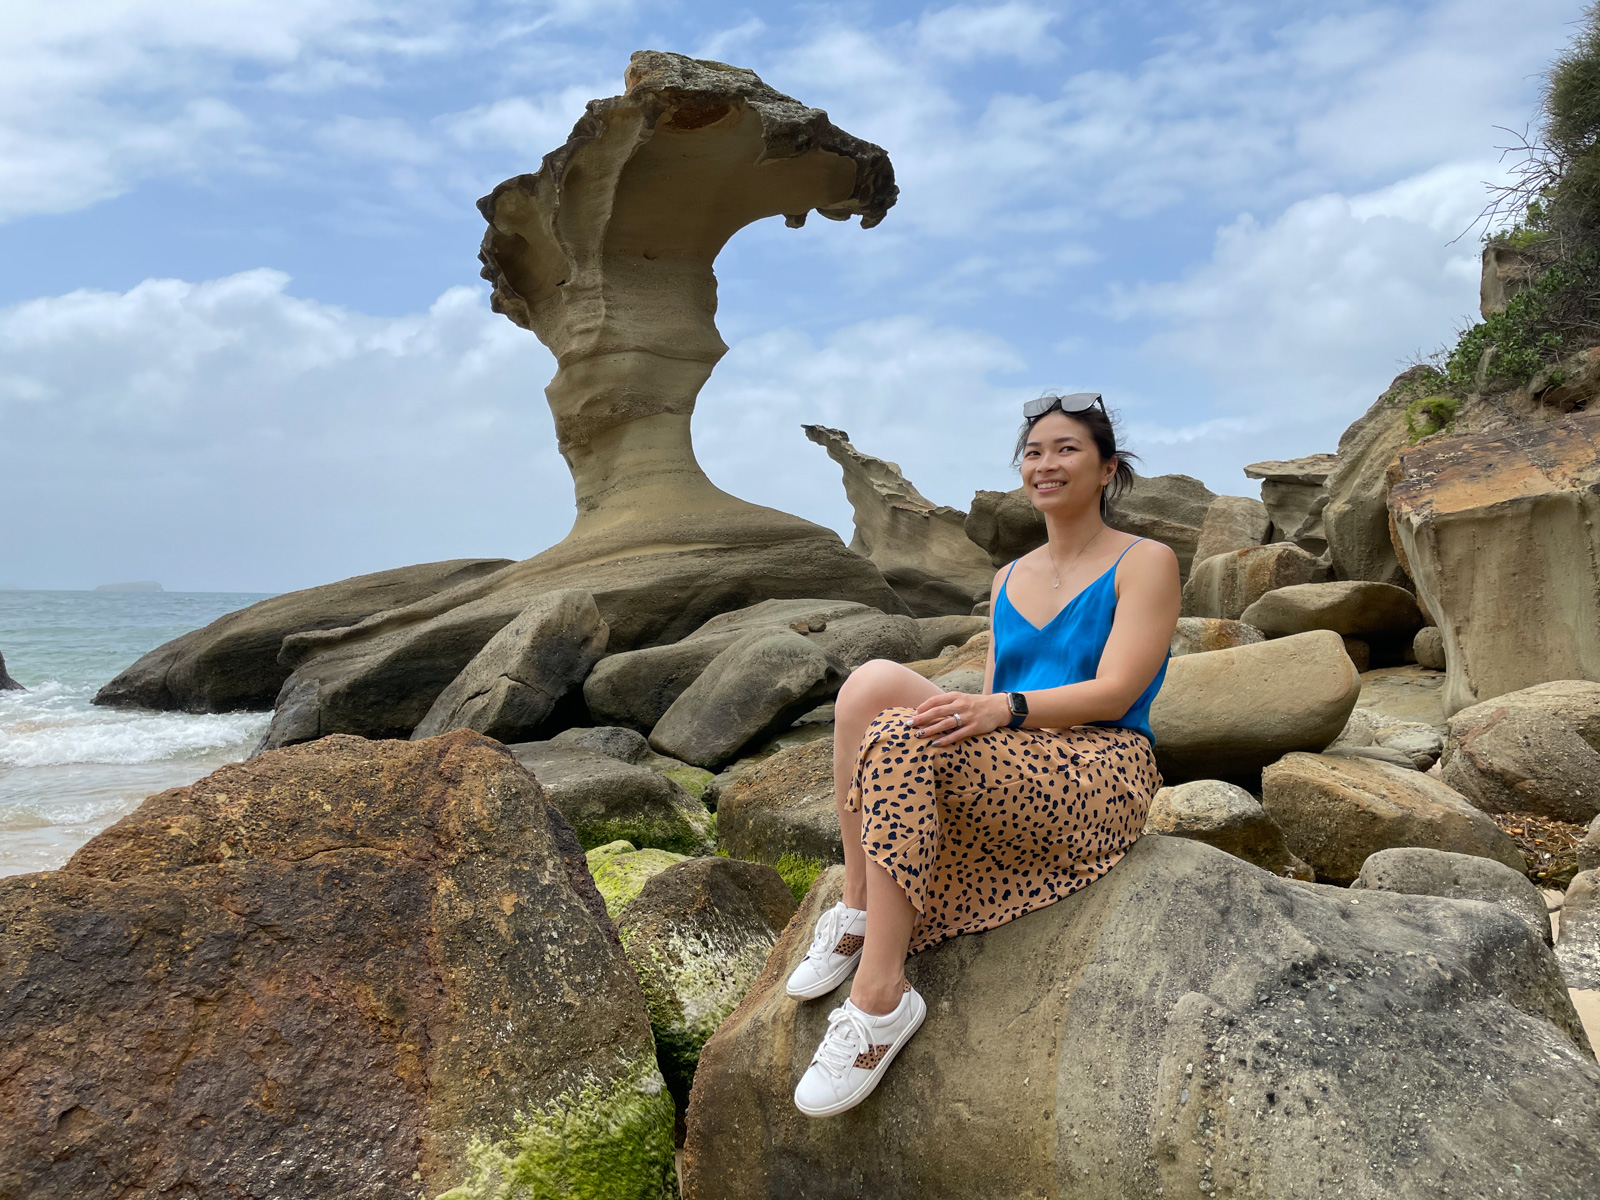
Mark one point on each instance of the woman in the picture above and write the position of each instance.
(961, 812)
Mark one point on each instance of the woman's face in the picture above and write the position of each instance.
(1062, 470)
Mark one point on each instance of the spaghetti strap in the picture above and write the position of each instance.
(1124, 554)
(1013, 567)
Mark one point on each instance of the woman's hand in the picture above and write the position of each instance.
(936, 717)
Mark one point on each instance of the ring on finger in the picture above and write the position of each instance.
(957, 717)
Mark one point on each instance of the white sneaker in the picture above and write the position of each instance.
(854, 1054)
(835, 950)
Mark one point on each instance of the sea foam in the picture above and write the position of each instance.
(56, 725)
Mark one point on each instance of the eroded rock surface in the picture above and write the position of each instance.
(330, 971)
(1197, 635)
(1337, 811)
(1295, 494)
(1224, 585)
(1357, 514)
(1520, 505)
(921, 547)
(1232, 523)
(784, 805)
(1535, 750)
(606, 253)
(1227, 817)
(1351, 608)
(232, 663)
(1182, 1021)
(1228, 713)
(513, 683)
(1417, 872)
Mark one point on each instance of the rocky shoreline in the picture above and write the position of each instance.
(503, 903)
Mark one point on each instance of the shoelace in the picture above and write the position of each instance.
(847, 1037)
(827, 934)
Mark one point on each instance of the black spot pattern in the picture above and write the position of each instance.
(980, 832)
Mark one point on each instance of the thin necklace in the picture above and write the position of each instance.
(1075, 557)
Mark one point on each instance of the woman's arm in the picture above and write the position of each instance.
(1148, 600)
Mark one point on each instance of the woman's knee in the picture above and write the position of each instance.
(876, 685)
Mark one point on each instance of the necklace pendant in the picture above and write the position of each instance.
(1056, 584)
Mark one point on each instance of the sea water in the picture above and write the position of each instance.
(69, 769)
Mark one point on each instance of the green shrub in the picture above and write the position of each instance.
(1430, 414)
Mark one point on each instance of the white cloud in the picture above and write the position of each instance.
(966, 32)
(229, 435)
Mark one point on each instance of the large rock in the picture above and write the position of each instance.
(1417, 872)
(1224, 585)
(606, 253)
(1227, 817)
(232, 663)
(607, 800)
(1167, 508)
(1535, 750)
(637, 688)
(698, 935)
(935, 633)
(1502, 533)
(8, 684)
(1199, 635)
(1186, 1026)
(1226, 714)
(1232, 523)
(348, 969)
(1357, 514)
(783, 805)
(921, 547)
(1428, 648)
(511, 685)
(1578, 944)
(620, 870)
(1336, 811)
(1352, 608)
(754, 688)
(972, 654)
(1295, 494)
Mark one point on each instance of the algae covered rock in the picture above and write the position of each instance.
(606, 800)
(698, 935)
(1188, 1025)
(351, 968)
(620, 872)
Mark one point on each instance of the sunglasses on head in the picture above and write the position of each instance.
(1076, 403)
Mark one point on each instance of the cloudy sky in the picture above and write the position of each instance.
(243, 345)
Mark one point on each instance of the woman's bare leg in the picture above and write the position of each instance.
(871, 688)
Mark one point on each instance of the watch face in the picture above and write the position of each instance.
(1019, 704)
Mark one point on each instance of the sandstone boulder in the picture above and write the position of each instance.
(8, 684)
(614, 741)
(1224, 585)
(969, 680)
(1413, 871)
(1502, 533)
(1228, 713)
(1182, 1021)
(606, 253)
(347, 969)
(1232, 523)
(232, 663)
(513, 683)
(698, 935)
(1295, 494)
(1227, 817)
(1353, 608)
(606, 800)
(1374, 753)
(1422, 744)
(936, 633)
(1535, 750)
(1578, 945)
(1588, 847)
(753, 689)
(1337, 811)
(637, 688)
(783, 805)
(921, 547)
(1507, 270)
(1197, 635)
(1357, 514)
(1428, 648)
(972, 654)
(620, 870)
(1165, 508)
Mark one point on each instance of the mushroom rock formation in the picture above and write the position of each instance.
(606, 254)
(921, 547)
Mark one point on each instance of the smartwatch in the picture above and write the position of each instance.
(1019, 709)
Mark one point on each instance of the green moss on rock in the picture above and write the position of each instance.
(799, 873)
(602, 1140)
(691, 779)
(620, 872)
(692, 834)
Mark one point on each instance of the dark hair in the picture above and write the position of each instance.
(1102, 428)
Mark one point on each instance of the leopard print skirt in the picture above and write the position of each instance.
(998, 825)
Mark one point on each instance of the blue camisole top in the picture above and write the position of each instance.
(1067, 649)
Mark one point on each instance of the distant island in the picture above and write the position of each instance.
(142, 585)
